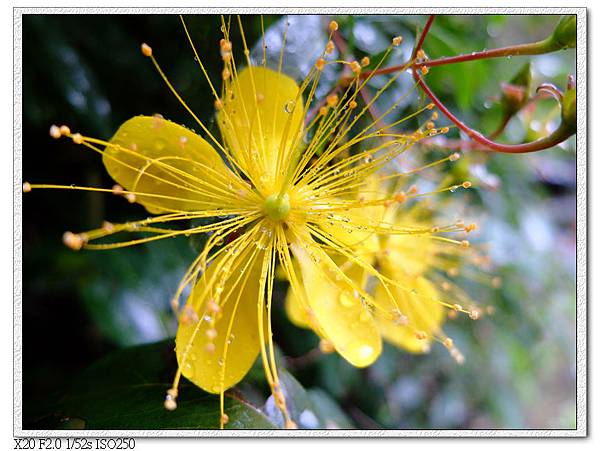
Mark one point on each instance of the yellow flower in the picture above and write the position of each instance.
(412, 297)
(285, 187)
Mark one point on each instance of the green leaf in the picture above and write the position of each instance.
(126, 391)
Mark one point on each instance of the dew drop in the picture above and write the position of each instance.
(188, 370)
(289, 106)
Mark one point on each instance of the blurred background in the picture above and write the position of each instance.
(78, 307)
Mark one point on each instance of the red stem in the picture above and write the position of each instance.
(558, 136)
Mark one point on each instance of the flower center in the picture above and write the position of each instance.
(277, 207)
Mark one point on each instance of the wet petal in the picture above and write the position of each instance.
(260, 119)
(228, 349)
(159, 157)
(417, 301)
(341, 315)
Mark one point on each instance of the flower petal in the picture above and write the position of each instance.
(227, 355)
(417, 300)
(261, 119)
(342, 317)
(176, 169)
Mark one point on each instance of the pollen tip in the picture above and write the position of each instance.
(430, 106)
(77, 138)
(455, 156)
(55, 132)
(424, 70)
(146, 49)
(26, 187)
(466, 184)
(365, 61)
(421, 335)
(464, 243)
(117, 189)
(474, 314)
(170, 404)
(355, 67)
(449, 343)
(326, 346)
(289, 424)
(333, 26)
(352, 104)
(397, 40)
(329, 47)
(224, 418)
(130, 198)
(320, 64)
(73, 241)
(64, 130)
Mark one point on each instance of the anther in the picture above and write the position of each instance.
(421, 335)
(224, 418)
(455, 156)
(332, 100)
(365, 61)
(289, 424)
(470, 227)
(55, 132)
(430, 106)
(225, 45)
(64, 130)
(435, 229)
(77, 138)
(213, 307)
(117, 189)
(333, 26)
(323, 110)
(397, 40)
(466, 185)
(434, 116)
(352, 104)
(457, 307)
(329, 47)
(170, 403)
(326, 346)
(400, 197)
(130, 198)
(412, 189)
(218, 104)
(320, 64)
(445, 130)
(107, 226)
(225, 74)
(73, 241)
(211, 334)
(474, 314)
(424, 70)
(449, 343)
(26, 187)
(355, 67)
(421, 54)
(464, 243)
(429, 125)
(146, 50)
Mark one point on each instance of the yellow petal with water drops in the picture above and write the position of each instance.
(175, 169)
(416, 315)
(341, 315)
(218, 353)
(261, 120)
